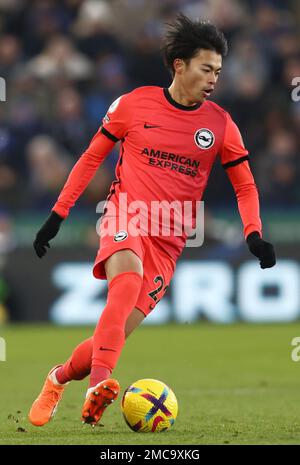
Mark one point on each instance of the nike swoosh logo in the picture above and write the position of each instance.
(104, 348)
(149, 126)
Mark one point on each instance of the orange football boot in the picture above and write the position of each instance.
(97, 399)
(45, 405)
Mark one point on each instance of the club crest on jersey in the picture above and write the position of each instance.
(204, 138)
(120, 236)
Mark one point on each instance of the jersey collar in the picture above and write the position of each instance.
(178, 105)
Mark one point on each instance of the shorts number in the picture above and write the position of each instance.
(153, 294)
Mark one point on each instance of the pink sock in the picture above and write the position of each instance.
(99, 374)
(78, 366)
(109, 335)
(60, 375)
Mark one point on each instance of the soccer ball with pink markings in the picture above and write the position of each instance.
(149, 406)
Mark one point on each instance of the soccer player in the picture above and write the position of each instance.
(170, 138)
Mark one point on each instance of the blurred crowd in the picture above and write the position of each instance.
(64, 62)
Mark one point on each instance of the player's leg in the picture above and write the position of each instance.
(158, 269)
(124, 271)
(77, 367)
(118, 261)
(157, 275)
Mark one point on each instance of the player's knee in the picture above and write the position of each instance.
(121, 262)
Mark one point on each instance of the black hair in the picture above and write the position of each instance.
(185, 38)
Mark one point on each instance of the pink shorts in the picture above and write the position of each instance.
(158, 266)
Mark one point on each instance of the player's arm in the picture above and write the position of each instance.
(79, 178)
(234, 158)
(112, 129)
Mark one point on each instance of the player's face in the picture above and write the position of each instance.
(199, 76)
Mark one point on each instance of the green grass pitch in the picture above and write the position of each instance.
(235, 384)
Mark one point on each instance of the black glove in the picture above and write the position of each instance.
(49, 230)
(262, 250)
